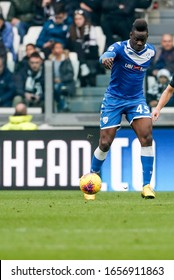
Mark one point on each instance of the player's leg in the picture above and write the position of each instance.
(106, 138)
(110, 120)
(143, 130)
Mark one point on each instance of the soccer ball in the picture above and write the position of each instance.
(90, 183)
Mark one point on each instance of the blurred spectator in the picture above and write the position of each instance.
(144, 4)
(164, 57)
(54, 30)
(64, 84)
(82, 40)
(141, 7)
(92, 10)
(166, 3)
(23, 64)
(20, 120)
(6, 37)
(3, 52)
(44, 9)
(7, 86)
(70, 6)
(157, 86)
(117, 19)
(21, 15)
(30, 83)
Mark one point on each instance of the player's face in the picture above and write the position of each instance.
(138, 40)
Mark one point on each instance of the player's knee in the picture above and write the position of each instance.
(146, 140)
(105, 145)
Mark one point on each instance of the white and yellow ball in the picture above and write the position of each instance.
(90, 183)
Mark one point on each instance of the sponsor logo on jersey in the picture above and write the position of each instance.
(135, 67)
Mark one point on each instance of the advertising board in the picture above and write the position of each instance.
(56, 159)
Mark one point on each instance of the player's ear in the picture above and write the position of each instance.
(130, 34)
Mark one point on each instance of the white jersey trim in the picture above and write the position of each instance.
(141, 58)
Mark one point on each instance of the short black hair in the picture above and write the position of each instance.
(36, 54)
(31, 45)
(140, 25)
(57, 42)
(59, 8)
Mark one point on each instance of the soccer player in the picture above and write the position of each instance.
(128, 61)
(165, 97)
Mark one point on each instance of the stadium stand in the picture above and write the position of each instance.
(101, 39)
(160, 28)
(155, 40)
(10, 111)
(102, 80)
(10, 62)
(29, 38)
(32, 35)
(75, 63)
(38, 117)
(5, 6)
(88, 99)
(16, 41)
(160, 21)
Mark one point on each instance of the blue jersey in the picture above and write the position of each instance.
(128, 69)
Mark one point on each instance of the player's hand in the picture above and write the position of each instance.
(155, 114)
(108, 62)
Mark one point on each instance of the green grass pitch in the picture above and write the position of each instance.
(43, 225)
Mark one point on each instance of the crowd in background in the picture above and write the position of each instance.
(67, 26)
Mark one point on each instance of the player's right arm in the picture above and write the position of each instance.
(165, 97)
(107, 58)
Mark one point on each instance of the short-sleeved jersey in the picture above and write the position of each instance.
(129, 69)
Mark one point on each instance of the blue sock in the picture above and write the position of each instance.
(147, 164)
(96, 164)
(97, 160)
